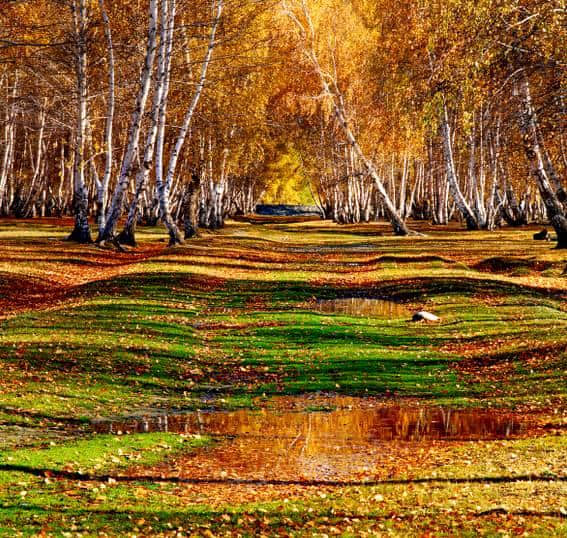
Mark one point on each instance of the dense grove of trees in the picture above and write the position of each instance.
(191, 111)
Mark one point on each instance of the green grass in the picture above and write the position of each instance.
(160, 335)
(30, 504)
(101, 454)
(223, 321)
(33, 495)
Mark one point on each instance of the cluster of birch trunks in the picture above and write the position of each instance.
(419, 188)
(47, 170)
(174, 168)
(463, 175)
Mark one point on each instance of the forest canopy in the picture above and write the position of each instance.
(190, 112)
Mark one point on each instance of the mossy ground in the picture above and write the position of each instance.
(225, 321)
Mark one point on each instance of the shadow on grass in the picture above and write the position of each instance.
(416, 288)
(147, 341)
(186, 284)
(71, 475)
(398, 289)
(554, 350)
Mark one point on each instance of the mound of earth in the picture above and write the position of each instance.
(19, 291)
(505, 265)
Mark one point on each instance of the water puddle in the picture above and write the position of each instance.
(343, 426)
(300, 447)
(357, 306)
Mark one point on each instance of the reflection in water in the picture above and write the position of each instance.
(339, 445)
(357, 306)
(343, 426)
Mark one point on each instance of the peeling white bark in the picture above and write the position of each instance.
(164, 184)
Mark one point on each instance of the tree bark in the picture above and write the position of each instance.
(459, 199)
(81, 232)
(135, 128)
(128, 234)
(540, 164)
(102, 187)
(9, 142)
(164, 185)
(191, 205)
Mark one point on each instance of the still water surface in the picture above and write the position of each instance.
(344, 426)
(357, 306)
(343, 444)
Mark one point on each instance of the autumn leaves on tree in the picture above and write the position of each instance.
(192, 112)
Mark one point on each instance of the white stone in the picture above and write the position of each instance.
(422, 315)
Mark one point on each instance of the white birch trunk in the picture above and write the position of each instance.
(164, 184)
(162, 78)
(9, 141)
(102, 187)
(459, 199)
(135, 127)
(37, 162)
(540, 164)
(81, 233)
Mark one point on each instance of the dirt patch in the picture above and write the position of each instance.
(497, 367)
(230, 375)
(414, 289)
(19, 293)
(525, 356)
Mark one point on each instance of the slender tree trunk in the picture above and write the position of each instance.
(135, 128)
(459, 199)
(128, 234)
(164, 185)
(540, 165)
(398, 224)
(37, 163)
(9, 142)
(102, 187)
(191, 205)
(403, 188)
(82, 232)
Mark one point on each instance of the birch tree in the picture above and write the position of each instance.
(9, 137)
(132, 147)
(163, 184)
(157, 119)
(541, 167)
(81, 232)
(102, 186)
(451, 171)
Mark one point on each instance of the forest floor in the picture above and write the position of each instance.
(210, 390)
